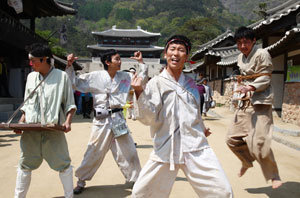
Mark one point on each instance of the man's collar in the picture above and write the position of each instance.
(166, 74)
(253, 50)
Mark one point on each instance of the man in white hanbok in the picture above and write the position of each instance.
(110, 88)
(51, 103)
(170, 105)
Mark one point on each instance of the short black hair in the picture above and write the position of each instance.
(179, 39)
(244, 32)
(107, 57)
(40, 50)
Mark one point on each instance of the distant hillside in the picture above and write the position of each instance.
(245, 8)
(200, 20)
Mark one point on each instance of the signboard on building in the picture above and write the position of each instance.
(293, 72)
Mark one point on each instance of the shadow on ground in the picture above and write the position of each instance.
(7, 138)
(288, 190)
(181, 179)
(144, 146)
(108, 191)
(211, 118)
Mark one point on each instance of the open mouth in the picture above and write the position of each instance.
(175, 60)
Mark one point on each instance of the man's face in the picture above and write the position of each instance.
(176, 56)
(115, 63)
(36, 62)
(245, 45)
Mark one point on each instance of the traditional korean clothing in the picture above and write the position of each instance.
(250, 133)
(56, 97)
(172, 109)
(107, 93)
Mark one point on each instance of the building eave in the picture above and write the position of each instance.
(205, 47)
(293, 6)
(122, 48)
(139, 33)
(45, 8)
(291, 37)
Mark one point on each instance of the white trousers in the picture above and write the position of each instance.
(24, 178)
(122, 148)
(202, 169)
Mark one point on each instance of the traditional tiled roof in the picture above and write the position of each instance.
(114, 32)
(228, 55)
(126, 48)
(203, 48)
(289, 35)
(277, 13)
(45, 8)
(280, 7)
(223, 51)
(216, 40)
(20, 38)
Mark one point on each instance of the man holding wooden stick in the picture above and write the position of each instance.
(51, 103)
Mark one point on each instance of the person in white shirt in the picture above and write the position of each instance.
(110, 88)
(170, 105)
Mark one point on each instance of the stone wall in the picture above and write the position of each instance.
(224, 99)
(291, 103)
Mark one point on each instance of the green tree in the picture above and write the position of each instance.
(201, 30)
(124, 14)
(52, 42)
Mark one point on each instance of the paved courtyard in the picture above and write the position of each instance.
(109, 182)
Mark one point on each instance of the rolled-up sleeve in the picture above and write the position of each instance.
(68, 96)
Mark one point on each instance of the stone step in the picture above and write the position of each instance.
(6, 107)
(295, 133)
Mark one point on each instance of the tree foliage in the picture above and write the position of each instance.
(200, 20)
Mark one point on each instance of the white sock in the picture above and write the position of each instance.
(22, 183)
(66, 178)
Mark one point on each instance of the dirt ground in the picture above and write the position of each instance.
(109, 182)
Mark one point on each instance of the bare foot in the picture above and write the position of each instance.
(242, 171)
(276, 183)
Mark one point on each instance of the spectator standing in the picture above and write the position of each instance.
(207, 96)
